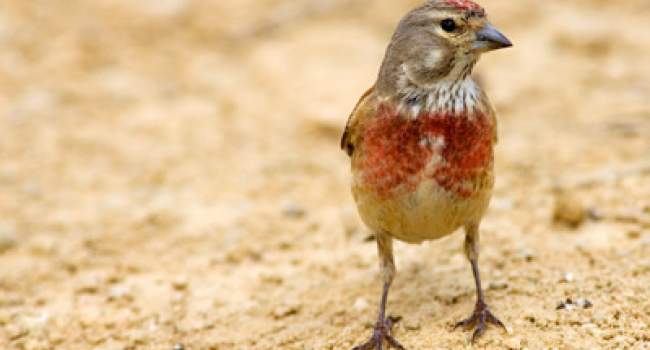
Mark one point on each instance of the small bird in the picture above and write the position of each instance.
(421, 143)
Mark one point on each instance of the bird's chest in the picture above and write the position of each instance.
(398, 153)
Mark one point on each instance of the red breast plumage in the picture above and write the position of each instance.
(398, 152)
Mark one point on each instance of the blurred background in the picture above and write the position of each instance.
(170, 178)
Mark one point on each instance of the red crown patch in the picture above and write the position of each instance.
(464, 5)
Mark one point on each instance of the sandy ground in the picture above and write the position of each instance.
(170, 178)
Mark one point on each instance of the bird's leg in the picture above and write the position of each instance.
(384, 325)
(482, 315)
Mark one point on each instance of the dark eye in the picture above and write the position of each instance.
(448, 25)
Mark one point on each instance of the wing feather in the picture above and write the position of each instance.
(349, 138)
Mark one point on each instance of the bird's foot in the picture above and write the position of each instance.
(381, 334)
(479, 320)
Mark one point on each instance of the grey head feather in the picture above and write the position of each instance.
(417, 56)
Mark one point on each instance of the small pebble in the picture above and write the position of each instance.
(349, 220)
(285, 311)
(570, 305)
(567, 277)
(501, 203)
(286, 244)
(89, 284)
(138, 336)
(630, 216)
(600, 318)
(645, 222)
(36, 323)
(634, 234)
(498, 285)
(595, 214)
(591, 328)
(584, 303)
(89, 317)
(360, 304)
(179, 346)
(120, 293)
(569, 210)
(8, 239)
(15, 331)
(412, 325)
(180, 284)
(272, 279)
(513, 343)
(43, 245)
(293, 210)
(565, 306)
(527, 254)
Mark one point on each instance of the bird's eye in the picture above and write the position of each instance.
(448, 25)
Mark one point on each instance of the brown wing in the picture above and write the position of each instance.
(349, 135)
(492, 114)
(486, 102)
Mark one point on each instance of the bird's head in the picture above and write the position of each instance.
(439, 41)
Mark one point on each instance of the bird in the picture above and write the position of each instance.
(421, 145)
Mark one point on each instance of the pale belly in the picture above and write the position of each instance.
(428, 212)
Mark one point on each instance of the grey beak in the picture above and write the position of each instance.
(489, 38)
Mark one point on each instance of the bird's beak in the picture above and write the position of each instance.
(489, 38)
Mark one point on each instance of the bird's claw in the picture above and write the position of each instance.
(382, 333)
(479, 320)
